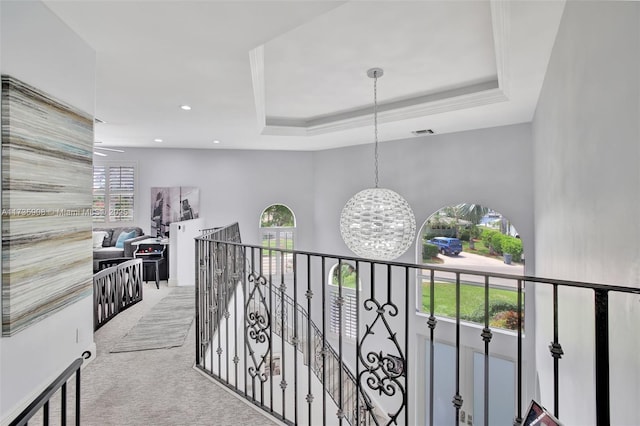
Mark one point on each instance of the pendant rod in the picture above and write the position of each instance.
(375, 73)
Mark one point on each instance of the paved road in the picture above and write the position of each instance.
(479, 263)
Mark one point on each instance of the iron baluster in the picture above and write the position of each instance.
(198, 282)
(341, 411)
(519, 355)
(284, 327)
(486, 337)
(405, 361)
(226, 281)
(556, 353)
(359, 419)
(296, 336)
(601, 305)
(309, 295)
(85, 355)
(457, 398)
(63, 404)
(324, 345)
(432, 325)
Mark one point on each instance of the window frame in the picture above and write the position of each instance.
(349, 329)
(280, 234)
(108, 218)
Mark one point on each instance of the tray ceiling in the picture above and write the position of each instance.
(292, 75)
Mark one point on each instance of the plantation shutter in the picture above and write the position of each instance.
(113, 193)
(99, 193)
(349, 312)
(121, 193)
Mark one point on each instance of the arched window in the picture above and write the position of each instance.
(277, 230)
(346, 275)
(470, 236)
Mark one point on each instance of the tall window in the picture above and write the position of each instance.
(277, 225)
(345, 276)
(113, 193)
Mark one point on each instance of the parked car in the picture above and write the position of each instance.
(446, 245)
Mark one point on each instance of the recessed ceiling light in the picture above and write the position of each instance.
(157, 140)
(185, 107)
(216, 141)
(99, 153)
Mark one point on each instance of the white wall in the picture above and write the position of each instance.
(182, 251)
(235, 186)
(587, 186)
(36, 48)
(491, 167)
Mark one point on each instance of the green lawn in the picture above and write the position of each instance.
(503, 303)
(480, 248)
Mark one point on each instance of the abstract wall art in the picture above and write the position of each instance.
(47, 166)
(173, 204)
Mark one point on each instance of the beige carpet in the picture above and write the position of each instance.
(165, 326)
(155, 387)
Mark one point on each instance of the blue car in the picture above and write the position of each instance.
(446, 245)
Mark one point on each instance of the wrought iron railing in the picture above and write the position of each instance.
(115, 289)
(301, 333)
(43, 400)
(325, 361)
(238, 338)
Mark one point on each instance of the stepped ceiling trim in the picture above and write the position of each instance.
(418, 105)
(269, 69)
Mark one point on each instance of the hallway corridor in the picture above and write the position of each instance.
(155, 387)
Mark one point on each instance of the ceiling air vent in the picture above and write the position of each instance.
(423, 132)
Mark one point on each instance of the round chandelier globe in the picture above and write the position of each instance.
(377, 223)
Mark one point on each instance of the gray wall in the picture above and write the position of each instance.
(491, 167)
(38, 49)
(587, 186)
(235, 186)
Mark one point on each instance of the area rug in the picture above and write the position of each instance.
(165, 326)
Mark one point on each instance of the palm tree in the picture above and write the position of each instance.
(472, 212)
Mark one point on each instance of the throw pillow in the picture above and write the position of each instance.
(98, 238)
(107, 238)
(124, 236)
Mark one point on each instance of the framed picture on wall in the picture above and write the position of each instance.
(173, 204)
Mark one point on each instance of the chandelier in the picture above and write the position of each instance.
(377, 223)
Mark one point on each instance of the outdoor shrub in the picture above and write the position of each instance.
(465, 234)
(496, 242)
(469, 232)
(514, 246)
(495, 307)
(506, 319)
(429, 251)
(487, 234)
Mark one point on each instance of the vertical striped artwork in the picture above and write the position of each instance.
(46, 205)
